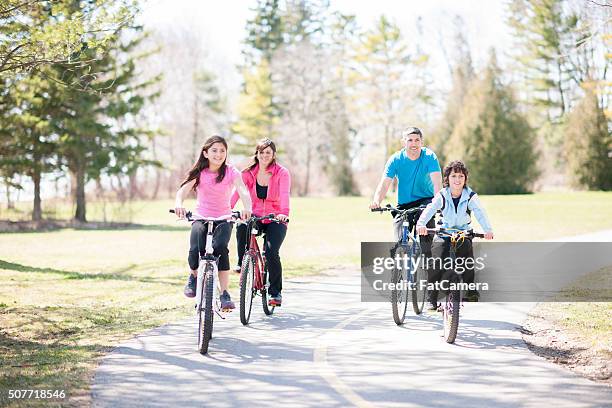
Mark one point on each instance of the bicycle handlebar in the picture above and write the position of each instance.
(271, 217)
(189, 216)
(389, 207)
(444, 232)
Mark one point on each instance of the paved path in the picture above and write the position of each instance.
(326, 348)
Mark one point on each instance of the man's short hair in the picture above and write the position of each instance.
(412, 131)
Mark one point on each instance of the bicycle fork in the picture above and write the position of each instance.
(208, 265)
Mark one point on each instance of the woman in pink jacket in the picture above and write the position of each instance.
(269, 185)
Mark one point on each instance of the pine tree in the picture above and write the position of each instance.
(493, 138)
(588, 145)
(544, 35)
(96, 132)
(258, 110)
(462, 73)
(380, 79)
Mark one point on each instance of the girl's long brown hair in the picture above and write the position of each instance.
(261, 145)
(202, 163)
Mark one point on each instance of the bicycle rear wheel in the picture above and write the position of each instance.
(246, 288)
(451, 315)
(268, 310)
(206, 315)
(418, 292)
(399, 293)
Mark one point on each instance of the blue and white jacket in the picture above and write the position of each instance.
(459, 219)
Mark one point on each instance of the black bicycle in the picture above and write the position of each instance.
(454, 296)
(409, 277)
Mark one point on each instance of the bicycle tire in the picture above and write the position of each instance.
(246, 288)
(206, 318)
(451, 315)
(399, 297)
(268, 310)
(418, 293)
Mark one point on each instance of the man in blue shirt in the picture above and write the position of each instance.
(418, 175)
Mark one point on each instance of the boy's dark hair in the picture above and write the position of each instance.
(456, 166)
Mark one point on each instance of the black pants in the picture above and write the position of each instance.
(221, 235)
(440, 252)
(274, 236)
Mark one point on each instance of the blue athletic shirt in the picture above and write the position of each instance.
(414, 181)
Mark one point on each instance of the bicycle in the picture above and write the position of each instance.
(207, 286)
(454, 298)
(407, 247)
(254, 277)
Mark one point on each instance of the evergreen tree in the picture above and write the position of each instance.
(379, 76)
(588, 145)
(543, 31)
(258, 116)
(462, 74)
(27, 125)
(96, 129)
(258, 110)
(493, 138)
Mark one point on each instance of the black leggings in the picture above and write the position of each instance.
(221, 235)
(440, 249)
(275, 235)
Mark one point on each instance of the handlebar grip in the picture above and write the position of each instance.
(171, 211)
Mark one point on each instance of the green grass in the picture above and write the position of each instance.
(67, 296)
(591, 321)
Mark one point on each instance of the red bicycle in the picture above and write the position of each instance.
(254, 272)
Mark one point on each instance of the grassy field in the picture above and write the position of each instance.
(67, 296)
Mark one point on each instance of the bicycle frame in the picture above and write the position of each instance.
(260, 259)
(208, 259)
(454, 298)
(404, 241)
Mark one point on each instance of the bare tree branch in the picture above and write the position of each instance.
(599, 4)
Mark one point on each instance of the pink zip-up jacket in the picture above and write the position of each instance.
(279, 187)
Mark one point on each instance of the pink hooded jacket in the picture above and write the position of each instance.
(279, 187)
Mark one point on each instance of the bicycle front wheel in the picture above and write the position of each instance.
(246, 288)
(418, 277)
(206, 314)
(451, 315)
(399, 291)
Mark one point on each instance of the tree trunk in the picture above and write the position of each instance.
(79, 177)
(134, 192)
(37, 212)
(156, 171)
(9, 203)
(307, 180)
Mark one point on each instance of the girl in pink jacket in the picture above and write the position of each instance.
(269, 185)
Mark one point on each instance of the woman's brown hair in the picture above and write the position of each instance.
(261, 145)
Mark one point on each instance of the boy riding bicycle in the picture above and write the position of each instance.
(456, 201)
